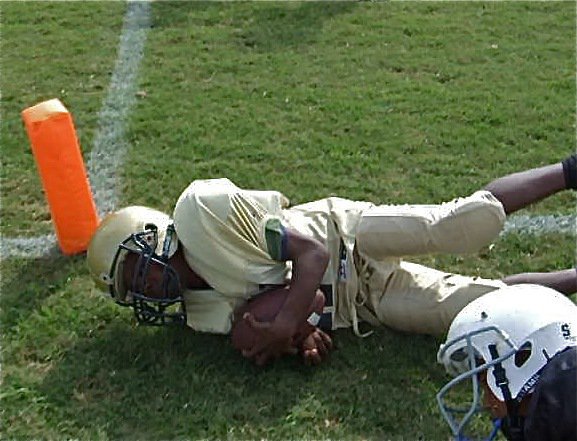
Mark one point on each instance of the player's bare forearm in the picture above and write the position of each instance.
(310, 259)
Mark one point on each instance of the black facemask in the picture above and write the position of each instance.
(169, 308)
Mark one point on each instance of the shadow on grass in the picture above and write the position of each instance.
(28, 283)
(149, 383)
(279, 27)
(122, 382)
(267, 26)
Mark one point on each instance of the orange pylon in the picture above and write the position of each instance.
(55, 147)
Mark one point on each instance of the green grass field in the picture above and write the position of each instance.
(391, 102)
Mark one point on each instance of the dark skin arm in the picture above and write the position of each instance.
(564, 281)
(309, 261)
(314, 345)
(518, 190)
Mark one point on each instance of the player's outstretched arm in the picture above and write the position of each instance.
(564, 281)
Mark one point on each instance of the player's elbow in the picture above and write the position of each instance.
(320, 255)
(315, 256)
(307, 251)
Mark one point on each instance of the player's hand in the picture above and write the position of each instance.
(315, 347)
(274, 339)
(280, 337)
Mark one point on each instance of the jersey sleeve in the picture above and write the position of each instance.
(276, 239)
(223, 230)
(209, 311)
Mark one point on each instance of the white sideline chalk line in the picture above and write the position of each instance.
(109, 146)
(41, 246)
(541, 224)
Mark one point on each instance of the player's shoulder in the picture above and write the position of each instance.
(553, 408)
(205, 195)
(563, 363)
(210, 187)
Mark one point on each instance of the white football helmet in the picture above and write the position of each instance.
(511, 333)
(150, 234)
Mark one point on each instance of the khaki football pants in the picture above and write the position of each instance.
(411, 297)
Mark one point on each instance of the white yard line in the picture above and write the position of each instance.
(541, 224)
(41, 246)
(110, 145)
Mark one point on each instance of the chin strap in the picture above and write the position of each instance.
(512, 424)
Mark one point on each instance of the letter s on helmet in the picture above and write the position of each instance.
(142, 230)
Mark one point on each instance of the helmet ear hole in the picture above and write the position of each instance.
(523, 354)
(459, 355)
(150, 226)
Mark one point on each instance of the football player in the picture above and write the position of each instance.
(517, 348)
(224, 245)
